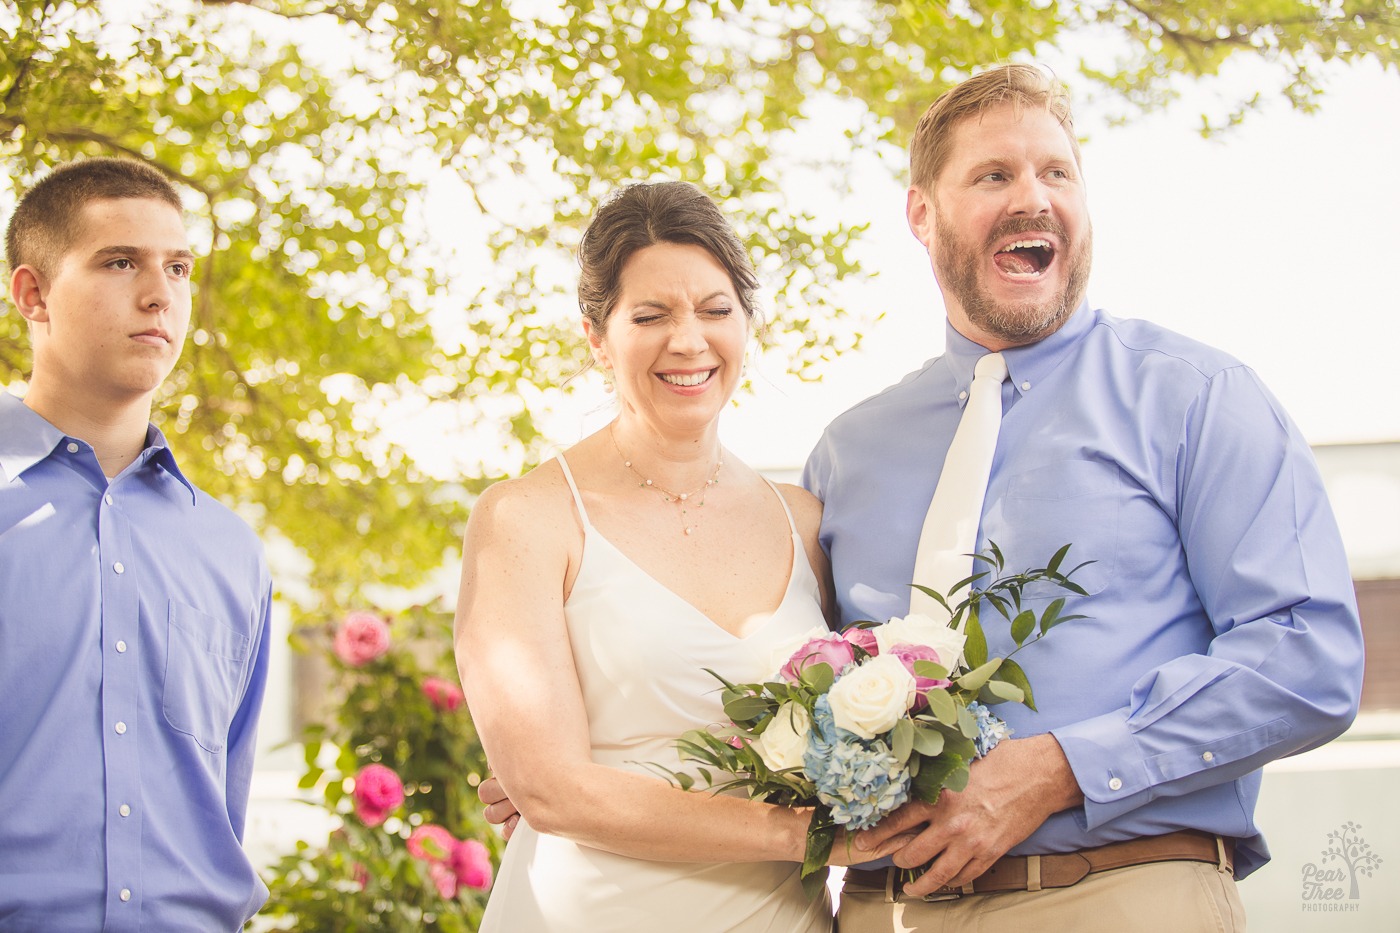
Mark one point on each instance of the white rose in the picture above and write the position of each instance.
(921, 630)
(870, 699)
(783, 743)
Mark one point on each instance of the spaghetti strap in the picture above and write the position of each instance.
(792, 524)
(573, 488)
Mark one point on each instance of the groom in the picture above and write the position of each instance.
(1222, 629)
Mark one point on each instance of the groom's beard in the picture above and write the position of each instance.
(960, 264)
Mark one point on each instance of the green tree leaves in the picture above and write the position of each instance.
(312, 137)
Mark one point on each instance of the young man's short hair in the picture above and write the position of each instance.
(45, 222)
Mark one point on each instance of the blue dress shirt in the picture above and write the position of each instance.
(133, 656)
(1223, 630)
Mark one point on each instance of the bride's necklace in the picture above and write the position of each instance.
(684, 501)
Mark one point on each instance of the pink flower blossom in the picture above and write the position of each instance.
(363, 637)
(442, 693)
(907, 655)
(378, 791)
(864, 638)
(824, 649)
(431, 843)
(443, 878)
(471, 863)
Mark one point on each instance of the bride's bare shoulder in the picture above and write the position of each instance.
(539, 500)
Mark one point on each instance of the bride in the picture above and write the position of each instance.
(598, 588)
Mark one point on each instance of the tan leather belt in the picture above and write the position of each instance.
(1034, 872)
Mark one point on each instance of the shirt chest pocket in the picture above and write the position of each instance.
(1075, 502)
(204, 664)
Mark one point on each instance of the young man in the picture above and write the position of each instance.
(133, 608)
(1222, 629)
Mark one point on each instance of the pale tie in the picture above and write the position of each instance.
(954, 515)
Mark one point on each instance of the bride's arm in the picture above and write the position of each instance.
(518, 673)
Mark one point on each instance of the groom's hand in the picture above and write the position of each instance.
(498, 808)
(1008, 795)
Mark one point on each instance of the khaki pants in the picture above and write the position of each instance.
(1160, 897)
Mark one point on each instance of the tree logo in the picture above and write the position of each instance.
(1333, 883)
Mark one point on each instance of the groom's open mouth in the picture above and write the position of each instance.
(1025, 258)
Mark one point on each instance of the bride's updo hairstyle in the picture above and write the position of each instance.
(639, 216)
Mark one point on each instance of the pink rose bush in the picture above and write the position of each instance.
(395, 760)
(452, 863)
(378, 790)
(363, 637)
(471, 863)
(443, 693)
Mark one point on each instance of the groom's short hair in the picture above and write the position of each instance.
(1021, 86)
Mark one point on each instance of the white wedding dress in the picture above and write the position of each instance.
(641, 653)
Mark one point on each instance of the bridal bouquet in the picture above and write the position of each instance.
(857, 723)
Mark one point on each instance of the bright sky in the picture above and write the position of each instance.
(1273, 242)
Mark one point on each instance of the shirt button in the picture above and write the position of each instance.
(121, 646)
(121, 728)
(72, 447)
(119, 567)
(962, 396)
(1115, 784)
(126, 894)
(1208, 757)
(1025, 387)
(124, 810)
(107, 498)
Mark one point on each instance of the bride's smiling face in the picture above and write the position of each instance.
(675, 339)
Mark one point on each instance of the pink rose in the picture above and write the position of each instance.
(378, 791)
(907, 655)
(824, 649)
(443, 879)
(431, 843)
(442, 693)
(864, 638)
(471, 863)
(361, 638)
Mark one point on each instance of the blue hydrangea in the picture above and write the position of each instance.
(990, 728)
(859, 780)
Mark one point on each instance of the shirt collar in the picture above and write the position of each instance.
(26, 438)
(1027, 365)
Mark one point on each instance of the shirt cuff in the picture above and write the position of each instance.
(1107, 763)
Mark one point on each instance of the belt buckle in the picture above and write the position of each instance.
(937, 896)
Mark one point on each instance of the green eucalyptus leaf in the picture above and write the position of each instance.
(999, 691)
(941, 705)
(973, 680)
(928, 741)
(902, 739)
